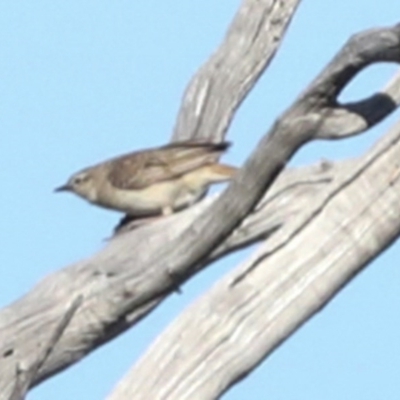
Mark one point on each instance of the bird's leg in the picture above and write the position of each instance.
(167, 210)
(175, 280)
(128, 223)
(123, 222)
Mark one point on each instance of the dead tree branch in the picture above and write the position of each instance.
(135, 271)
(25, 376)
(227, 327)
(232, 328)
(101, 280)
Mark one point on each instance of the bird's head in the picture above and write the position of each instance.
(82, 184)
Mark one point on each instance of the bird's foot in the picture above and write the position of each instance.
(129, 223)
(176, 282)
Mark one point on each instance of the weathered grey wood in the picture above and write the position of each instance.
(316, 114)
(220, 86)
(26, 374)
(124, 282)
(304, 121)
(226, 333)
(106, 281)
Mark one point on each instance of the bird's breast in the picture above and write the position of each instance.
(150, 200)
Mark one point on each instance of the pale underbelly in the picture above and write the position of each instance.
(152, 200)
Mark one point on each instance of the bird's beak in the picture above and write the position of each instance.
(63, 188)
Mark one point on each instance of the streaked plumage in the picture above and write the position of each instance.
(152, 181)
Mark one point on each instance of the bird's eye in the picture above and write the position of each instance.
(80, 179)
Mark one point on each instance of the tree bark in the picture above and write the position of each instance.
(340, 227)
(288, 209)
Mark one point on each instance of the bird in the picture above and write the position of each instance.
(154, 181)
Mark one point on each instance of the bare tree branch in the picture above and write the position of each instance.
(259, 27)
(231, 329)
(135, 271)
(221, 85)
(25, 376)
(343, 120)
(226, 328)
(311, 117)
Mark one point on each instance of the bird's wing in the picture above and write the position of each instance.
(144, 168)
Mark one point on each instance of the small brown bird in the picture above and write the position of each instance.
(153, 181)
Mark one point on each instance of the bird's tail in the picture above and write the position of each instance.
(209, 174)
(221, 172)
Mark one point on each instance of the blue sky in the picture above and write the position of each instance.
(84, 81)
